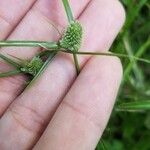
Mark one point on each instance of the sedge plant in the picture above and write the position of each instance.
(70, 42)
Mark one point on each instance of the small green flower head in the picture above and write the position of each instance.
(33, 66)
(72, 37)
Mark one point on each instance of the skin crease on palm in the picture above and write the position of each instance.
(60, 111)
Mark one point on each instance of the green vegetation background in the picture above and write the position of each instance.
(131, 130)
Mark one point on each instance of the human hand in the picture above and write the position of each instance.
(59, 112)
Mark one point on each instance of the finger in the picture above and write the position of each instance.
(11, 12)
(35, 107)
(36, 23)
(45, 33)
(83, 114)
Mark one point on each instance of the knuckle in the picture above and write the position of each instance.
(119, 12)
(112, 65)
(27, 118)
(116, 64)
(114, 11)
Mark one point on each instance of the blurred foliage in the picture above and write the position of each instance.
(131, 130)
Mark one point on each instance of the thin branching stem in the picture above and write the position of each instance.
(10, 73)
(10, 61)
(139, 53)
(114, 54)
(71, 19)
(50, 45)
(76, 64)
(107, 54)
(68, 10)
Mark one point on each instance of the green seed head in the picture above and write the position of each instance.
(33, 66)
(72, 37)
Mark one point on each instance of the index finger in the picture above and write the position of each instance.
(82, 116)
(11, 12)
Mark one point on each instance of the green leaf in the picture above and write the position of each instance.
(68, 10)
(133, 14)
(10, 61)
(43, 44)
(133, 64)
(101, 145)
(134, 106)
(9, 73)
(139, 53)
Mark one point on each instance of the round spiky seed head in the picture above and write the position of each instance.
(72, 37)
(33, 66)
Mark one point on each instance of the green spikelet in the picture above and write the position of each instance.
(33, 66)
(72, 37)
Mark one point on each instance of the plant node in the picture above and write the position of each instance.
(33, 66)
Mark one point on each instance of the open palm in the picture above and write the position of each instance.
(60, 111)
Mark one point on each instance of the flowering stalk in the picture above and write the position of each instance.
(48, 45)
(72, 41)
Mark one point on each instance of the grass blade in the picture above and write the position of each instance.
(10, 61)
(101, 145)
(139, 53)
(48, 45)
(10, 73)
(134, 106)
(133, 14)
(68, 10)
(136, 70)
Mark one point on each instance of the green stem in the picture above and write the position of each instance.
(106, 54)
(76, 64)
(10, 61)
(71, 19)
(136, 70)
(139, 53)
(68, 10)
(10, 73)
(49, 45)
(115, 54)
(139, 105)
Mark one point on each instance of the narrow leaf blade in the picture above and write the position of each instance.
(134, 106)
(10, 73)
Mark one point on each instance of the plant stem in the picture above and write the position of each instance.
(76, 64)
(10, 73)
(71, 19)
(107, 54)
(136, 70)
(10, 61)
(68, 10)
(140, 105)
(139, 53)
(115, 54)
(49, 45)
